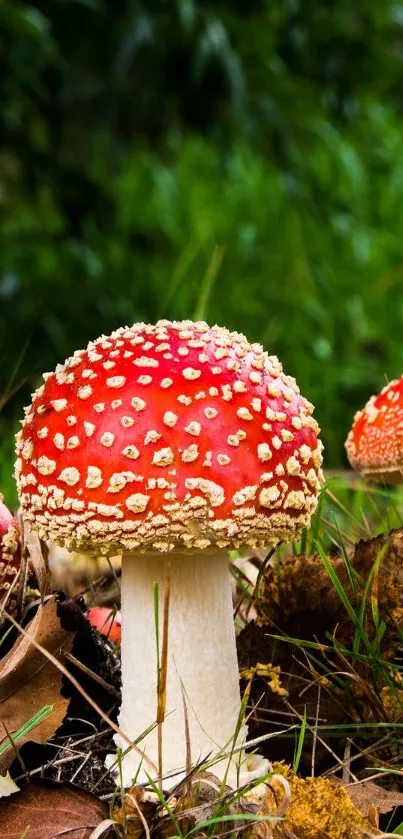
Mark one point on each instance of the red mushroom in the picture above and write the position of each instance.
(10, 549)
(375, 443)
(171, 444)
(108, 624)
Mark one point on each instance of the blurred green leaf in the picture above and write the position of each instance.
(139, 140)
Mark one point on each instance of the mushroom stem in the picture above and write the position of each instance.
(202, 661)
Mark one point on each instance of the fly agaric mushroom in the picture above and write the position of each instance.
(10, 549)
(171, 444)
(375, 443)
(108, 624)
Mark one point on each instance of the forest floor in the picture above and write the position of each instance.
(320, 648)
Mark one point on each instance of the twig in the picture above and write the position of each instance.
(255, 593)
(187, 740)
(113, 572)
(140, 814)
(84, 669)
(347, 774)
(315, 733)
(13, 585)
(14, 748)
(77, 772)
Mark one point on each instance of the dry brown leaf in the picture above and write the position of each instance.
(366, 795)
(38, 560)
(50, 810)
(7, 785)
(29, 682)
(193, 802)
(136, 809)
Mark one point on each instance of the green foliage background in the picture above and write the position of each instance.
(241, 162)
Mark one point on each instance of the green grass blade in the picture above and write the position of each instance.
(300, 744)
(35, 720)
(207, 283)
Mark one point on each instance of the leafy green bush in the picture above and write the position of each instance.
(201, 161)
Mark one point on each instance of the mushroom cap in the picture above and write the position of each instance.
(106, 622)
(375, 443)
(168, 437)
(10, 548)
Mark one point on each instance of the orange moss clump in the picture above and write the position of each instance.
(317, 809)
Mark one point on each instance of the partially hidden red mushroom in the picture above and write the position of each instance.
(375, 443)
(10, 549)
(172, 444)
(106, 622)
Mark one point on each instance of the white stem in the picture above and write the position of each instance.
(201, 658)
